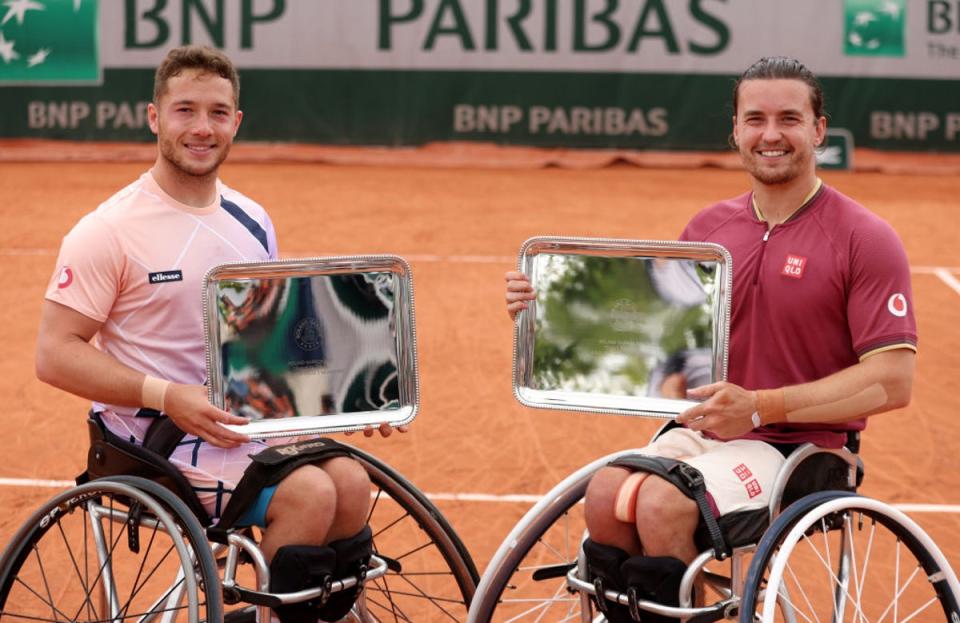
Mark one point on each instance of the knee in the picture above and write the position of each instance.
(600, 499)
(352, 485)
(307, 492)
(661, 503)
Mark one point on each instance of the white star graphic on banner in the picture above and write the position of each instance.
(39, 57)
(7, 52)
(18, 9)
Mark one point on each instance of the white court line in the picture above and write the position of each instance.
(515, 498)
(946, 277)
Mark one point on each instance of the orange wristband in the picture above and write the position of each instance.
(770, 406)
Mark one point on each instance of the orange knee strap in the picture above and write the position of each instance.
(625, 504)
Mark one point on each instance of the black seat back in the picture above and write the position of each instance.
(111, 455)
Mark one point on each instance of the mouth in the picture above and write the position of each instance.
(772, 153)
(200, 150)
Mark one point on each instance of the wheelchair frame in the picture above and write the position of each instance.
(745, 592)
(420, 566)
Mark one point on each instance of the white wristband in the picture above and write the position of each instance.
(755, 418)
(153, 392)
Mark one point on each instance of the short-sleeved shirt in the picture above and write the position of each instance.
(137, 265)
(812, 296)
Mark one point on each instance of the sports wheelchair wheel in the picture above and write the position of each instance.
(432, 576)
(123, 549)
(526, 580)
(835, 556)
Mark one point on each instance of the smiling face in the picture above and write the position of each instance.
(195, 119)
(776, 131)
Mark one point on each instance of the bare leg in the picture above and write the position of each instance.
(601, 523)
(666, 520)
(301, 511)
(352, 486)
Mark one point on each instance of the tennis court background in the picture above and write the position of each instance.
(473, 447)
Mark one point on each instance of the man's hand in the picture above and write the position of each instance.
(519, 291)
(188, 407)
(726, 412)
(385, 430)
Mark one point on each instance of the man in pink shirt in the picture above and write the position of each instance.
(122, 321)
(822, 337)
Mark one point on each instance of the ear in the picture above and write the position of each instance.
(820, 131)
(736, 139)
(153, 118)
(236, 122)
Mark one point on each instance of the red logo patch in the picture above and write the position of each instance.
(897, 305)
(794, 266)
(753, 488)
(742, 471)
(66, 277)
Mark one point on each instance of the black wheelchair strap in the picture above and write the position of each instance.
(689, 481)
(267, 468)
(163, 436)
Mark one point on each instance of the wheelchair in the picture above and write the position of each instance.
(818, 553)
(133, 543)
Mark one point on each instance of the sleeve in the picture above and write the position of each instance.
(880, 299)
(89, 269)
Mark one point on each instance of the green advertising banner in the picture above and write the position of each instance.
(636, 74)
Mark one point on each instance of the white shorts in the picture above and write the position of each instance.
(738, 474)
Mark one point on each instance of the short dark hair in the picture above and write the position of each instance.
(783, 68)
(206, 59)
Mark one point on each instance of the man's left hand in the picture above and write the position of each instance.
(726, 411)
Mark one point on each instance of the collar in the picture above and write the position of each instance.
(803, 204)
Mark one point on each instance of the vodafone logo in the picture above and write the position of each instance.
(66, 277)
(897, 305)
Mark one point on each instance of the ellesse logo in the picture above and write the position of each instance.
(165, 276)
(897, 305)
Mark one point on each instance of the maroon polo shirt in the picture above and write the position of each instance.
(821, 291)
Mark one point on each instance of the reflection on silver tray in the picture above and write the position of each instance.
(621, 326)
(313, 345)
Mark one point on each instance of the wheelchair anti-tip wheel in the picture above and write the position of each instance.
(110, 550)
(840, 557)
(432, 576)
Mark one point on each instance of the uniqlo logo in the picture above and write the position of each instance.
(793, 266)
(742, 472)
(753, 488)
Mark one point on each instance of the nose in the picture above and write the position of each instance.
(202, 126)
(771, 132)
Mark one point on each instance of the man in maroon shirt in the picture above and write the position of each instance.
(822, 332)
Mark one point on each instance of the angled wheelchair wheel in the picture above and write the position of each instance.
(432, 576)
(526, 580)
(121, 549)
(835, 556)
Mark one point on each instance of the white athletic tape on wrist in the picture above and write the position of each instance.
(153, 392)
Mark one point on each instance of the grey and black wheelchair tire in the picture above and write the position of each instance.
(891, 567)
(502, 576)
(167, 553)
(435, 575)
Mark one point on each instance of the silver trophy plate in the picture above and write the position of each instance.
(621, 326)
(312, 346)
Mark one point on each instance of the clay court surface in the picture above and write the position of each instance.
(460, 229)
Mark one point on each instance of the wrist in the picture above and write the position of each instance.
(770, 407)
(153, 392)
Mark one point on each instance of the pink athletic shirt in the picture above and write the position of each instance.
(825, 289)
(137, 264)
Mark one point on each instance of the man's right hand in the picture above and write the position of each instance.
(188, 407)
(519, 291)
